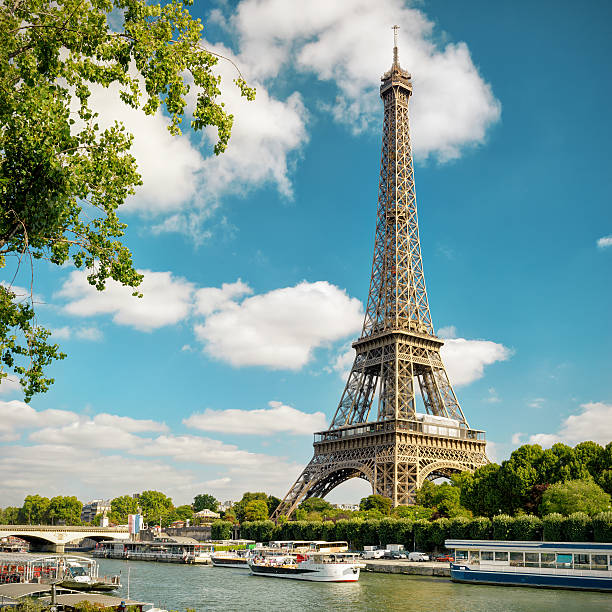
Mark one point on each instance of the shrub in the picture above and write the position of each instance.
(526, 527)
(602, 527)
(459, 528)
(501, 525)
(438, 533)
(422, 535)
(553, 527)
(479, 528)
(578, 528)
(221, 530)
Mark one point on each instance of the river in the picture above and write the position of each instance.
(178, 587)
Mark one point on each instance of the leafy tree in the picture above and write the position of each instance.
(444, 498)
(273, 503)
(221, 530)
(240, 507)
(10, 516)
(480, 492)
(62, 177)
(517, 477)
(64, 509)
(376, 502)
(315, 504)
(34, 510)
(414, 513)
(121, 507)
(155, 505)
(205, 500)
(575, 496)
(256, 510)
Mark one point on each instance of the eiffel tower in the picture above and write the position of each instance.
(401, 448)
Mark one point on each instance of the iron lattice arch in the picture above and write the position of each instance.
(376, 432)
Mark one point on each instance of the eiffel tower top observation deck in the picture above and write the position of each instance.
(377, 433)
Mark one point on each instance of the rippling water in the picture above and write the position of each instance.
(178, 587)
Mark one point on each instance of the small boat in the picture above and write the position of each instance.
(558, 565)
(316, 567)
(235, 559)
(81, 578)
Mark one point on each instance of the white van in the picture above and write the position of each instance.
(418, 556)
(373, 554)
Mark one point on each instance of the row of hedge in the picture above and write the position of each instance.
(430, 535)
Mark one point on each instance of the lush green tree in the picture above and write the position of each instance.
(575, 496)
(62, 176)
(230, 515)
(256, 510)
(602, 527)
(590, 454)
(10, 516)
(183, 513)
(517, 477)
(553, 527)
(155, 506)
(414, 513)
(121, 507)
(240, 507)
(376, 502)
(64, 509)
(444, 498)
(35, 510)
(315, 504)
(221, 530)
(273, 503)
(480, 492)
(205, 501)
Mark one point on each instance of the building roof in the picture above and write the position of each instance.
(206, 512)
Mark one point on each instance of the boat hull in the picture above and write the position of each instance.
(234, 563)
(461, 573)
(323, 573)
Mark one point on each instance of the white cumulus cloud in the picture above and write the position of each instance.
(605, 242)
(465, 360)
(594, 422)
(264, 421)
(349, 44)
(166, 300)
(279, 329)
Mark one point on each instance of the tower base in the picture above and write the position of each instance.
(395, 457)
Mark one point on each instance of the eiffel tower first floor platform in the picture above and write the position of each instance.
(394, 456)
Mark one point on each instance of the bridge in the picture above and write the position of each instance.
(53, 538)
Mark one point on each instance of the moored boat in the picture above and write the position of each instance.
(560, 565)
(235, 559)
(316, 567)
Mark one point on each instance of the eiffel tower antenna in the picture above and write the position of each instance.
(377, 433)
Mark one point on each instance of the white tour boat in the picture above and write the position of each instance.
(317, 567)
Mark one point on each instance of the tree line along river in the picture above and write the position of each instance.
(178, 587)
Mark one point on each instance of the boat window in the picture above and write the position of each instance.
(564, 561)
(582, 562)
(599, 562)
(501, 556)
(486, 555)
(532, 559)
(461, 555)
(516, 559)
(547, 559)
(77, 571)
(475, 557)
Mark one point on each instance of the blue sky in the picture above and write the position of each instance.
(259, 260)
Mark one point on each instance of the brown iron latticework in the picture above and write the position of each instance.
(401, 448)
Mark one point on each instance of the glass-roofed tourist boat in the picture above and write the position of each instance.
(561, 565)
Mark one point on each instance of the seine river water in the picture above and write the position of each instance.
(178, 587)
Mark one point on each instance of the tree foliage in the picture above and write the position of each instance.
(376, 502)
(256, 510)
(575, 496)
(155, 506)
(205, 501)
(62, 175)
(121, 507)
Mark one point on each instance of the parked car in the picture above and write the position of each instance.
(418, 556)
(397, 554)
(445, 558)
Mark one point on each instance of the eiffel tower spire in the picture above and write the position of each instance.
(376, 432)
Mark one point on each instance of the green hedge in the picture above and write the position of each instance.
(430, 535)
